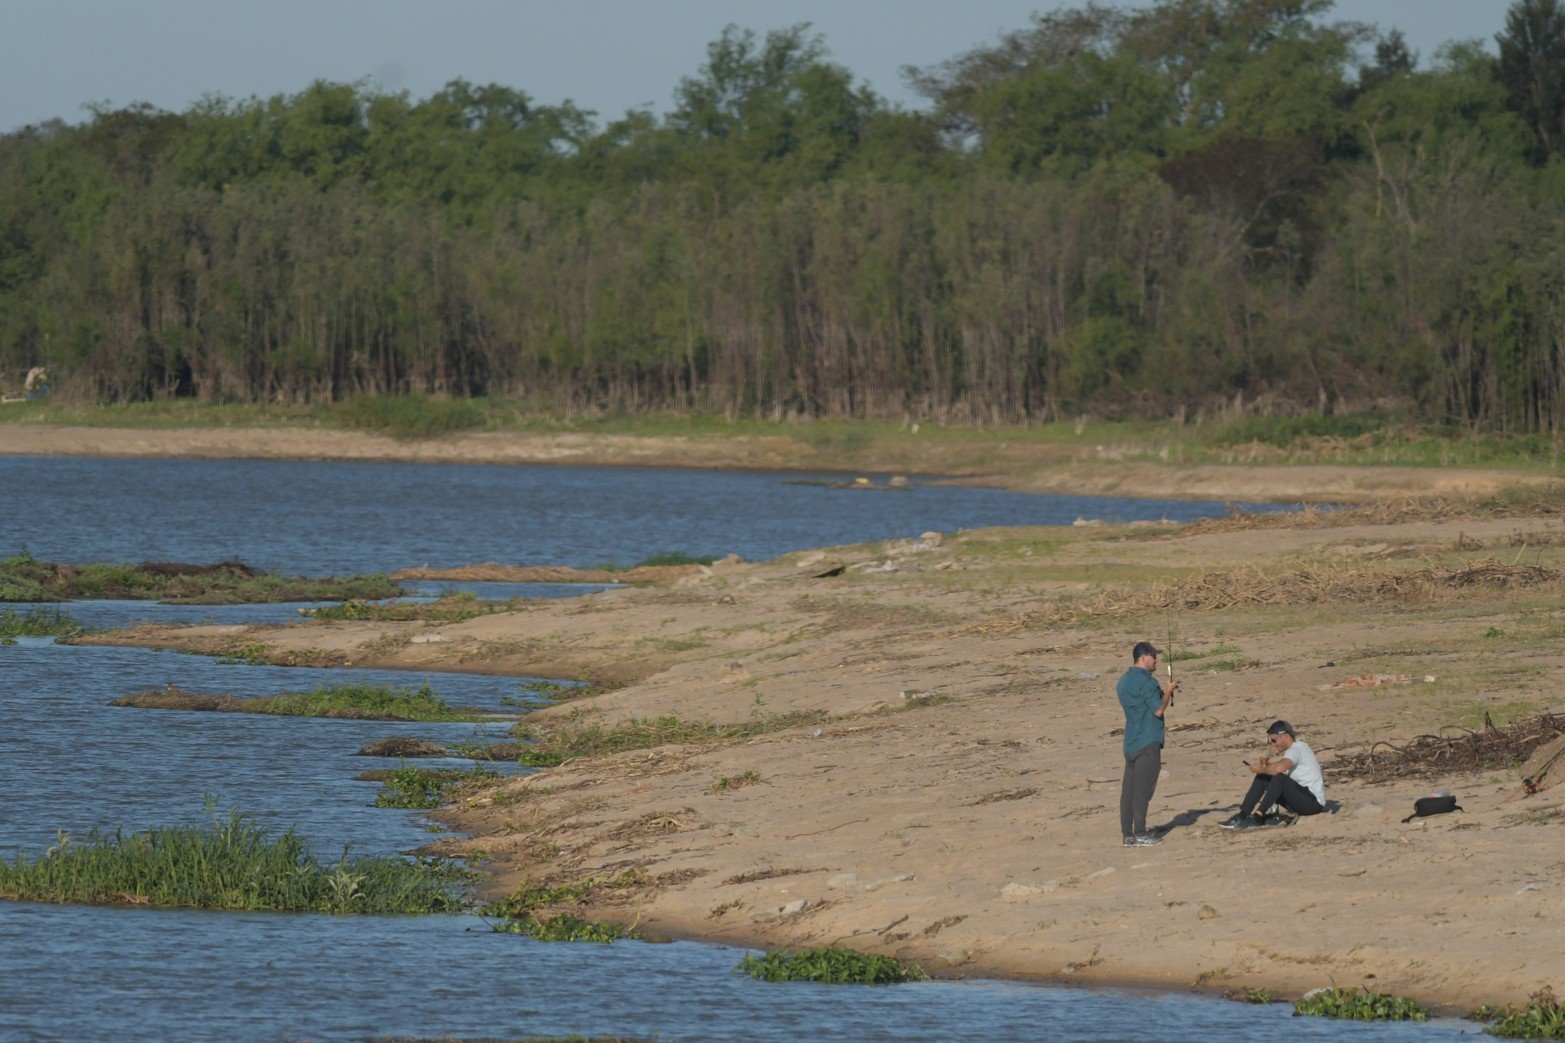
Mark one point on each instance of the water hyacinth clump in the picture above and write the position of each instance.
(1359, 1005)
(233, 865)
(1543, 1017)
(831, 966)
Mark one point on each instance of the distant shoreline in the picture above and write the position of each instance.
(1018, 465)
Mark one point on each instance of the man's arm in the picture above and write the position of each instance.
(1265, 766)
(1165, 696)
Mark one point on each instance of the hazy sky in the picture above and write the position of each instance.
(605, 55)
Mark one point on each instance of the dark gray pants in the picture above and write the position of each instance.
(1266, 790)
(1135, 792)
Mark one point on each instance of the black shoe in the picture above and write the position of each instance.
(1240, 822)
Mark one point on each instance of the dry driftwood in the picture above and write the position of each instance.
(1432, 755)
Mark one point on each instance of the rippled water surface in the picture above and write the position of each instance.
(335, 517)
(69, 761)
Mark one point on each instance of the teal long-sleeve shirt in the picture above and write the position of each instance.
(1140, 695)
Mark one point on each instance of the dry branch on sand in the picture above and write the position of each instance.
(1429, 755)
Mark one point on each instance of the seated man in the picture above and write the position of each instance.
(1292, 781)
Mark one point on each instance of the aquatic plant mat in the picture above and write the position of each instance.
(831, 967)
(354, 702)
(231, 864)
(1543, 1017)
(1428, 755)
(25, 578)
(1360, 1005)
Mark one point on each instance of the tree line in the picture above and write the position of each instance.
(1123, 212)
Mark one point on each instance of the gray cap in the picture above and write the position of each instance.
(1279, 728)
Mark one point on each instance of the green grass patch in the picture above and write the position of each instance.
(1357, 439)
(411, 416)
(1186, 654)
(353, 701)
(1542, 1017)
(564, 928)
(547, 749)
(831, 966)
(1473, 715)
(1359, 1004)
(1231, 663)
(674, 557)
(724, 783)
(231, 864)
(39, 622)
(454, 608)
(525, 902)
(25, 578)
(408, 787)
(544, 692)
(661, 558)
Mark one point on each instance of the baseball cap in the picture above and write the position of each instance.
(1144, 648)
(1279, 727)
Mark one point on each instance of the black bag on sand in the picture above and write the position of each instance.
(1437, 803)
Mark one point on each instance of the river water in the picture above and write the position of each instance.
(70, 762)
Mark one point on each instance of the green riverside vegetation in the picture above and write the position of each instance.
(408, 787)
(831, 966)
(546, 749)
(453, 608)
(25, 578)
(1542, 1017)
(1359, 1004)
(232, 864)
(38, 622)
(356, 701)
(1212, 207)
(563, 928)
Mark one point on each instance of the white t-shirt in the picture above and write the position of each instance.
(1306, 769)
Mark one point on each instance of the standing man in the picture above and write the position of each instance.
(1145, 701)
(1292, 781)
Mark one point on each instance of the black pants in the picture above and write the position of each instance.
(1135, 791)
(1281, 790)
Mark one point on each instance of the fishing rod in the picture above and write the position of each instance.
(1168, 662)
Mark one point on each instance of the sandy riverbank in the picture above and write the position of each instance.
(958, 805)
(1085, 469)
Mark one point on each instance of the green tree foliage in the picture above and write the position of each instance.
(1532, 69)
(1161, 209)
